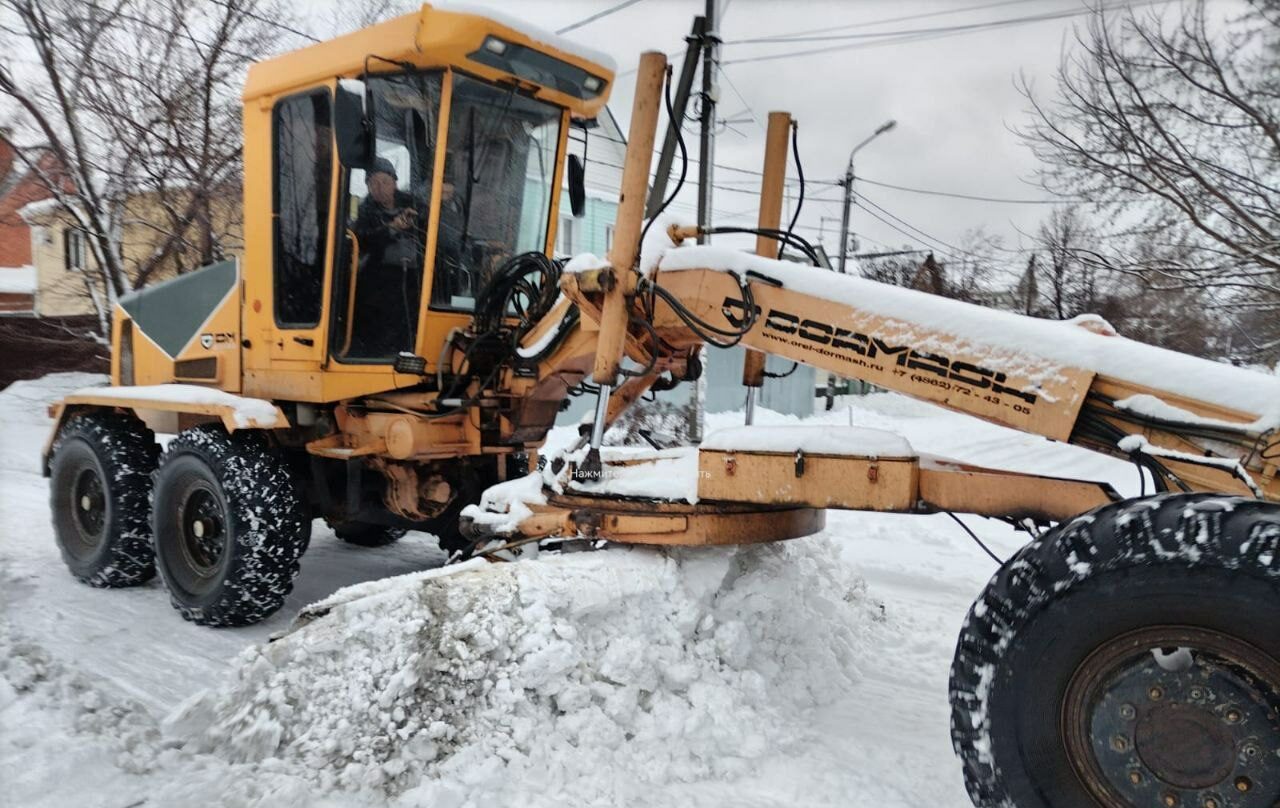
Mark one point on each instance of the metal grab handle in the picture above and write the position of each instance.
(351, 291)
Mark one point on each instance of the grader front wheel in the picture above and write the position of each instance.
(1129, 658)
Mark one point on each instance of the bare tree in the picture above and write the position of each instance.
(356, 14)
(1068, 283)
(1172, 129)
(137, 100)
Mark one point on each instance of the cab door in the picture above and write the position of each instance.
(302, 166)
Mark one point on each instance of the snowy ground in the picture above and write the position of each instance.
(812, 673)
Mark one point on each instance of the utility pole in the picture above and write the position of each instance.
(844, 217)
(707, 138)
(848, 191)
(706, 157)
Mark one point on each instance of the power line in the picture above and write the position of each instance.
(916, 35)
(921, 234)
(884, 21)
(976, 197)
(256, 16)
(597, 15)
(694, 160)
(826, 36)
(951, 247)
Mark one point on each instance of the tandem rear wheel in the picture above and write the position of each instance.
(99, 483)
(229, 524)
(1128, 658)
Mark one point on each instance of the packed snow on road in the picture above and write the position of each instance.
(811, 672)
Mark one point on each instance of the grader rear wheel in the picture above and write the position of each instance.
(1127, 659)
(229, 525)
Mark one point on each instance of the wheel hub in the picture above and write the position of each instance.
(1185, 746)
(203, 531)
(1176, 716)
(91, 505)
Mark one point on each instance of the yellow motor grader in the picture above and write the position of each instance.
(397, 337)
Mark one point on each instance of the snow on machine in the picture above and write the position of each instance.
(397, 341)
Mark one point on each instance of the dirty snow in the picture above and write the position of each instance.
(812, 673)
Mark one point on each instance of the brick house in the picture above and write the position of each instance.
(19, 187)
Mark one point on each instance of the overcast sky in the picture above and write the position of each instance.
(955, 100)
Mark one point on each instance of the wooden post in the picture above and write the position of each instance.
(626, 245)
(626, 232)
(771, 190)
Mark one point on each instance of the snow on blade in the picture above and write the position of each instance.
(1012, 343)
(540, 682)
(811, 438)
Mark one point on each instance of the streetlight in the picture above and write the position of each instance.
(848, 190)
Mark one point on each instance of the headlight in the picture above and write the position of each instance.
(495, 45)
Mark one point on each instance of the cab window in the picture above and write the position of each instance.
(498, 186)
(303, 171)
(378, 277)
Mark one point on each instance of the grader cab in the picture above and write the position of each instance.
(397, 336)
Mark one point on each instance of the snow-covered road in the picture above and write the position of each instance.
(88, 675)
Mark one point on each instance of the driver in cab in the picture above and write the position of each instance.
(390, 229)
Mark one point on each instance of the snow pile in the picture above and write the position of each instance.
(539, 682)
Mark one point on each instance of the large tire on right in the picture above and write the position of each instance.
(230, 526)
(99, 484)
(1128, 658)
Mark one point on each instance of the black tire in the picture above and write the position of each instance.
(99, 490)
(1060, 696)
(230, 526)
(365, 534)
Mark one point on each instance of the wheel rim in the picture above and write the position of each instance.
(1175, 716)
(202, 530)
(89, 507)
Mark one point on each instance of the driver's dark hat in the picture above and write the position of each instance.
(382, 164)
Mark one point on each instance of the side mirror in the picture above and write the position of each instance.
(352, 126)
(577, 186)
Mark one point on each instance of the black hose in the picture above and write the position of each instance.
(795, 217)
(684, 160)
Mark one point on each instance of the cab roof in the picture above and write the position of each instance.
(488, 45)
